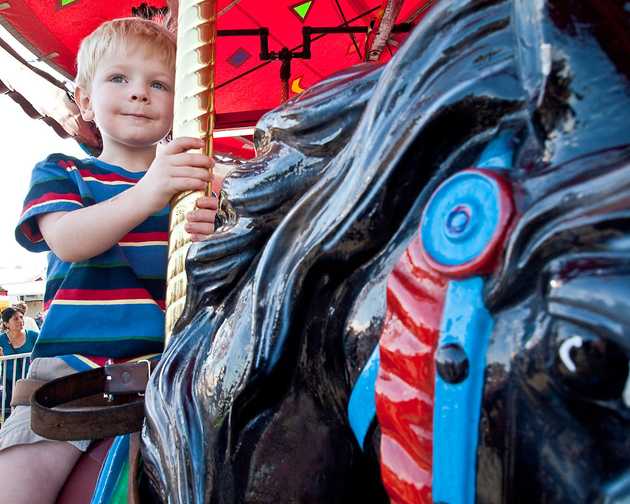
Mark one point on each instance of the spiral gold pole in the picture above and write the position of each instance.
(194, 117)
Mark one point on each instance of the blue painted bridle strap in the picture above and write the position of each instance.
(457, 406)
(456, 409)
(498, 153)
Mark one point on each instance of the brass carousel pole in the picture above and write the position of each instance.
(194, 117)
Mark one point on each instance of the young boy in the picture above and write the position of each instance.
(105, 222)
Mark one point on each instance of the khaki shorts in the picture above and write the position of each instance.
(16, 429)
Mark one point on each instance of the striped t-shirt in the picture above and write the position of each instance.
(110, 306)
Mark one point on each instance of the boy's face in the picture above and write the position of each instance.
(131, 98)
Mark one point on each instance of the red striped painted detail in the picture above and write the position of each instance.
(406, 378)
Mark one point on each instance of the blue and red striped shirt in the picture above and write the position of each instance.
(112, 305)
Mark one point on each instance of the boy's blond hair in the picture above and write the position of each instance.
(117, 33)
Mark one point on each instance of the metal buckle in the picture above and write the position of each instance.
(108, 397)
(148, 363)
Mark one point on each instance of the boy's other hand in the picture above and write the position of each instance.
(200, 222)
(175, 170)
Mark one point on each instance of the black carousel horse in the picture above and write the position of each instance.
(287, 301)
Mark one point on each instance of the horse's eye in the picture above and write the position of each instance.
(590, 366)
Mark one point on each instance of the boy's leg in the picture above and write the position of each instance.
(35, 472)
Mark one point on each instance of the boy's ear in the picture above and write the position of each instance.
(82, 99)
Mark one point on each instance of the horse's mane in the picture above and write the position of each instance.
(301, 135)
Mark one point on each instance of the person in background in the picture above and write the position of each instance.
(14, 340)
(29, 322)
(39, 319)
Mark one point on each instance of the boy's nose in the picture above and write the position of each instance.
(139, 97)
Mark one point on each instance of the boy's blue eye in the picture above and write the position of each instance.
(159, 85)
(117, 78)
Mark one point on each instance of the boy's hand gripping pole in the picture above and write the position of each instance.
(194, 117)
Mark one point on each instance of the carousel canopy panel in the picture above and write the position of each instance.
(255, 38)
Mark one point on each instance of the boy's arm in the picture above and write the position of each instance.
(85, 233)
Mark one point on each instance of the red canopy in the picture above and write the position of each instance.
(246, 85)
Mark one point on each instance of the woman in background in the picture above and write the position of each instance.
(13, 340)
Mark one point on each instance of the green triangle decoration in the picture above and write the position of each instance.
(65, 3)
(300, 9)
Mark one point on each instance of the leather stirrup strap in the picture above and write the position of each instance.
(102, 402)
